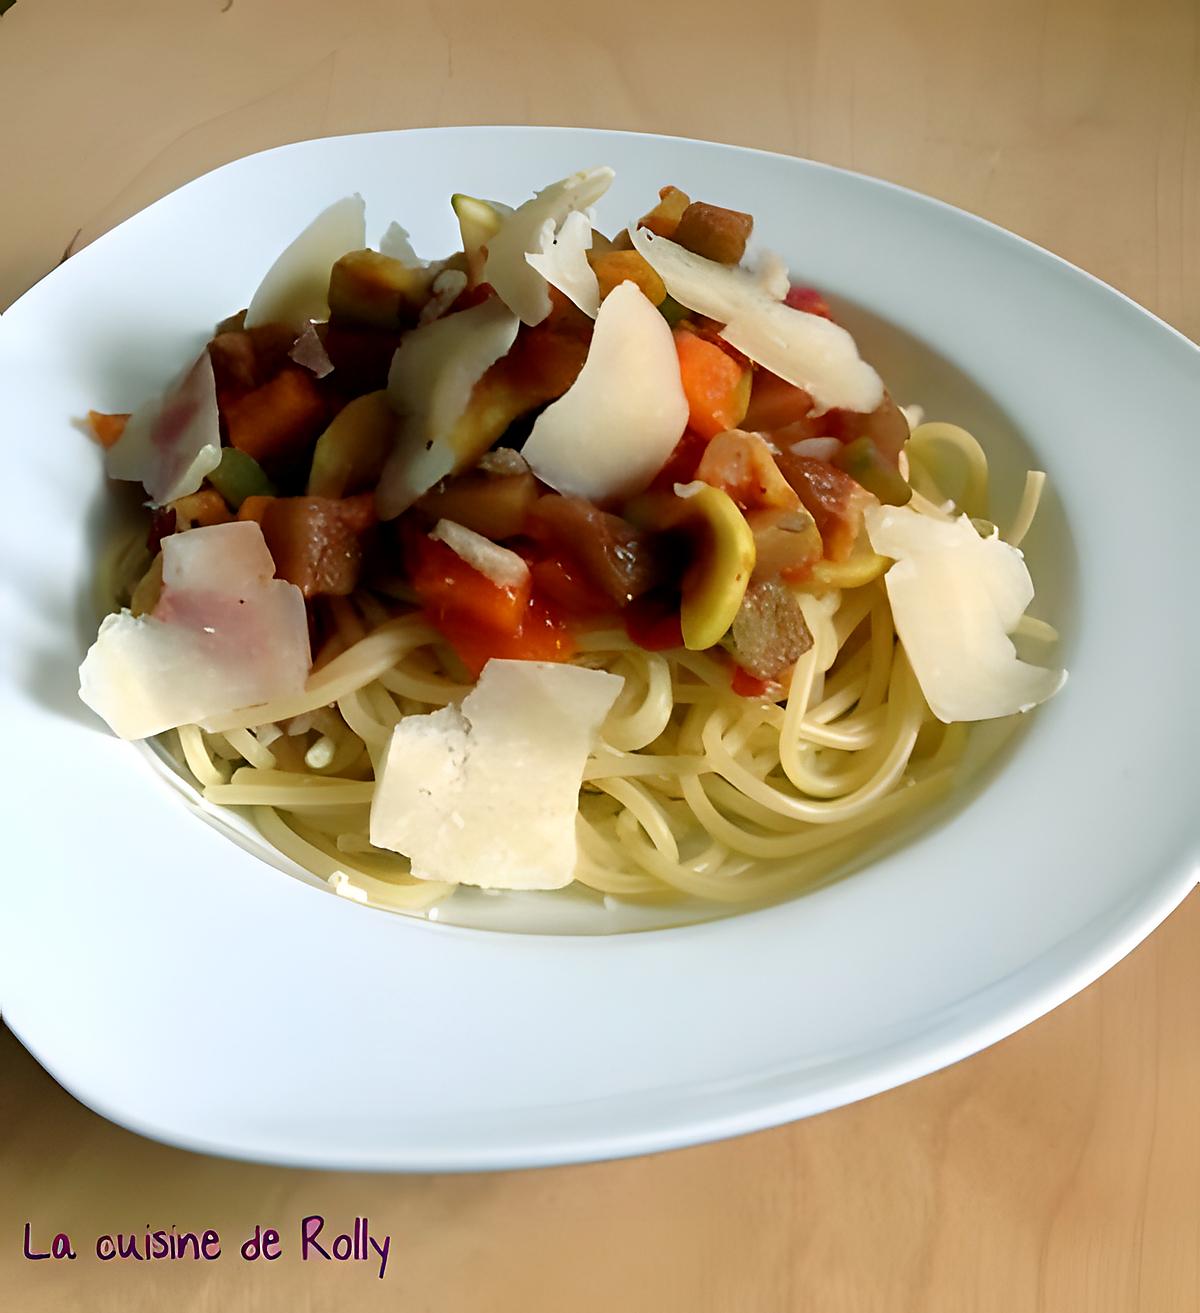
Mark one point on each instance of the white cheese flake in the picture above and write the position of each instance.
(521, 233)
(955, 598)
(173, 440)
(611, 432)
(225, 635)
(430, 382)
(395, 244)
(808, 351)
(772, 274)
(562, 261)
(497, 564)
(445, 289)
(296, 287)
(488, 794)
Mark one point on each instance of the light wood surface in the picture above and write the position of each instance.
(1058, 1171)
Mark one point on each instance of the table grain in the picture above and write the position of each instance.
(1057, 1171)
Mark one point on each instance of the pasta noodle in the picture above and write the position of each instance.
(693, 791)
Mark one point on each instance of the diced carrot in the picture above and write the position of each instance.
(279, 420)
(200, 510)
(107, 429)
(716, 386)
(315, 541)
(254, 508)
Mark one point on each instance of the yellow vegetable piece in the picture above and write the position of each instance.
(665, 216)
(350, 454)
(478, 222)
(149, 589)
(722, 562)
(859, 569)
(612, 268)
(376, 290)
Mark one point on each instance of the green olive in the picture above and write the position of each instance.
(723, 556)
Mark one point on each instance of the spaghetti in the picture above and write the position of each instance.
(637, 456)
(693, 790)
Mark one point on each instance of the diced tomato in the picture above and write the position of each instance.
(315, 541)
(358, 512)
(831, 497)
(278, 421)
(717, 387)
(746, 685)
(478, 618)
(809, 300)
(653, 623)
(107, 429)
(564, 583)
(540, 636)
(456, 594)
(682, 463)
(621, 561)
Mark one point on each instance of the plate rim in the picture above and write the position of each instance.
(1123, 928)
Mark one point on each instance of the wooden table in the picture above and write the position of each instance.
(1059, 1171)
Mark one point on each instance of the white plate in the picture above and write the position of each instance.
(180, 986)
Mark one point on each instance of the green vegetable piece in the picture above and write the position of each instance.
(672, 311)
(862, 461)
(239, 476)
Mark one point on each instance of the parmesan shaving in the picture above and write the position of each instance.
(520, 286)
(955, 598)
(488, 794)
(296, 287)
